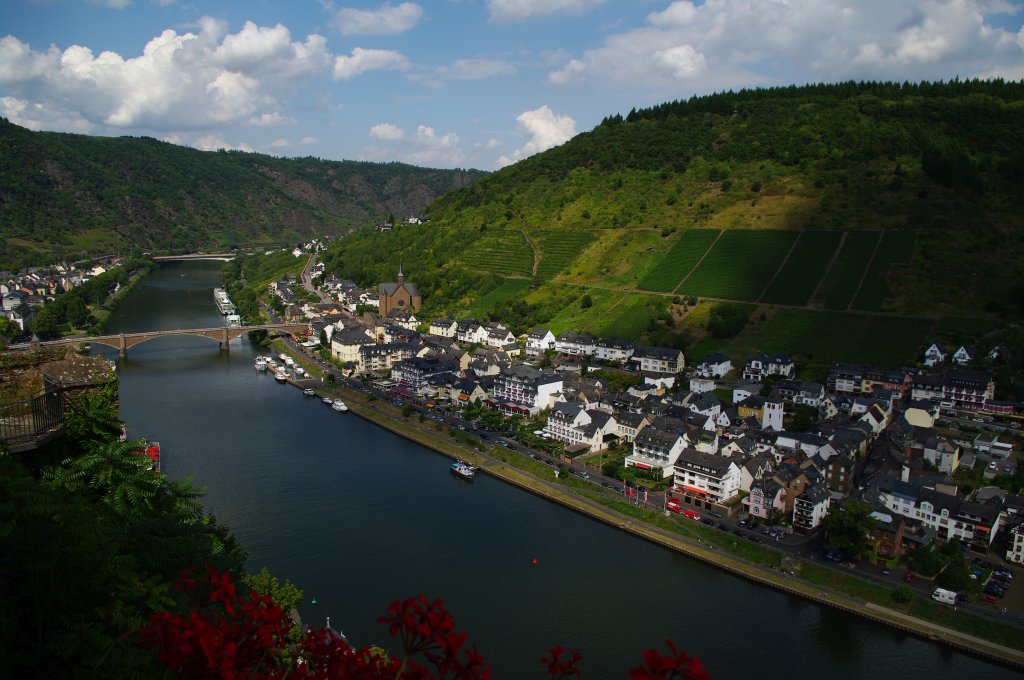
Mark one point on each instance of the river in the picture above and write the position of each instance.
(357, 517)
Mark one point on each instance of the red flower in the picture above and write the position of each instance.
(559, 667)
(677, 664)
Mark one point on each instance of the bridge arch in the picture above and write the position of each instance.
(221, 334)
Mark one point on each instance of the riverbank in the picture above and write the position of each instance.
(432, 435)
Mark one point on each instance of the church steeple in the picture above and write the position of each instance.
(401, 276)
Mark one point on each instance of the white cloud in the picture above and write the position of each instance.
(306, 141)
(388, 19)
(216, 143)
(189, 81)
(545, 128)
(489, 144)
(521, 10)
(279, 143)
(722, 44)
(429, 148)
(386, 131)
(475, 69)
(362, 60)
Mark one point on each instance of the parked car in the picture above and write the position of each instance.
(909, 577)
(991, 599)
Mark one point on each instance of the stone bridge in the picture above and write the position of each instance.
(221, 334)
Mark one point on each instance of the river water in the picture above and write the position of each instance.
(357, 517)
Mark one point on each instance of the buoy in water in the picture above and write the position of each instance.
(535, 561)
(313, 601)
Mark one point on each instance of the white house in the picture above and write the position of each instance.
(659, 359)
(655, 449)
(715, 365)
(933, 356)
(443, 327)
(538, 341)
(706, 477)
(613, 350)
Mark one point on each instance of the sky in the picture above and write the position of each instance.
(453, 83)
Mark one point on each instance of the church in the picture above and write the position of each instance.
(399, 296)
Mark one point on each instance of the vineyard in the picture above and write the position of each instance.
(558, 249)
(799, 277)
(841, 282)
(632, 317)
(740, 265)
(896, 247)
(504, 252)
(678, 262)
(508, 289)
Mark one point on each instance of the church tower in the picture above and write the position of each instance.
(400, 279)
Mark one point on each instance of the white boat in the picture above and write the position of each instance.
(284, 357)
(299, 371)
(460, 469)
(281, 377)
(309, 392)
(339, 405)
(327, 400)
(261, 364)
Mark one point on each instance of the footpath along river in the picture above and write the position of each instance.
(357, 516)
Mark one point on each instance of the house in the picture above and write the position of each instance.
(345, 344)
(810, 508)
(658, 359)
(522, 389)
(443, 327)
(715, 365)
(765, 496)
(575, 344)
(538, 341)
(704, 478)
(614, 349)
(768, 411)
(761, 364)
(701, 385)
(498, 336)
(579, 427)
(801, 393)
(886, 536)
(629, 424)
(955, 387)
(933, 356)
(1015, 552)
(379, 358)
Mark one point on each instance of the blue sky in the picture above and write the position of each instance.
(453, 83)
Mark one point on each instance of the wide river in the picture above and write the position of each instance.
(357, 517)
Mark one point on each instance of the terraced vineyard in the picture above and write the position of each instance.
(803, 270)
(506, 290)
(896, 247)
(558, 248)
(678, 262)
(841, 282)
(505, 252)
(740, 264)
(631, 317)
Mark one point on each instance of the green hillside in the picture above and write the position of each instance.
(67, 195)
(899, 199)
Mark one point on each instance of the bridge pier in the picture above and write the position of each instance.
(224, 340)
(122, 349)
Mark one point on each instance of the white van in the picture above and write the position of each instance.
(945, 596)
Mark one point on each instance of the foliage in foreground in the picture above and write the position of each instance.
(225, 632)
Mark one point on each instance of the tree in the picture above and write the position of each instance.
(847, 527)
(957, 574)
(8, 329)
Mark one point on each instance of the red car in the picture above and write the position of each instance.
(991, 599)
(909, 577)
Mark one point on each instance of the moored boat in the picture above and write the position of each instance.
(339, 405)
(281, 377)
(461, 469)
(260, 363)
(309, 392)
(327, 400)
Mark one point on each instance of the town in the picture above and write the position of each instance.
(720, 439)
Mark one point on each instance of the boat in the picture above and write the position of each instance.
(327, 400)
(460, 469)
(281, 377)
(309, 392)
(224, 304)
(261, 364)
(339, 405)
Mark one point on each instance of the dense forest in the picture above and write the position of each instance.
(68, 195)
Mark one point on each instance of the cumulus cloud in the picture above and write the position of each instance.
(216, 143)
(386, 131)
(189, 81)
(728, 43)
(306, 141)
(363, 60)
(388, 19)
(545, 129)
(505, 11)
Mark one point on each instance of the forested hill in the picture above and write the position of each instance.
(837, 204)
(845, 155)
(69, 194)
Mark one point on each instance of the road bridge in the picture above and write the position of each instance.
(222, 334)
(224, 257)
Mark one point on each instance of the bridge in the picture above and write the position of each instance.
(196, 256)
(221, 334)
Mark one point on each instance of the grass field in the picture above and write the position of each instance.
(803, 270)
(897, 247)
(818, 337)
(740, 265)
(505, 252)
(631, 317)
(559, 248)
(841, 282)
(507, 289)
(678, 262)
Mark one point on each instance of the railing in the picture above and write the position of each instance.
(24, 422)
